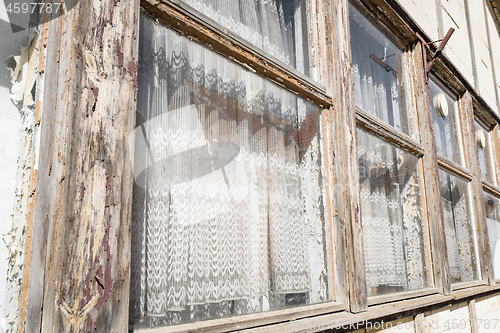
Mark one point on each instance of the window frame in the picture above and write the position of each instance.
(401, 140)
(181, 18)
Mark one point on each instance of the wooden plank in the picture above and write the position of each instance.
(473, 317)
(389, 133)
(454, 168)
(347, 177)
(82, 212)
(249, 321)
(322, 31)
(467, 284)
(472, 162)
(374, 300)
(420, 100)
(419, 323)
(180, 18)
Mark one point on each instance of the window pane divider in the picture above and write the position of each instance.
(251, 320)
(468, 284)
(375, 300)
(387, 132)
(491, 189)
(199, 27)
(454, 168)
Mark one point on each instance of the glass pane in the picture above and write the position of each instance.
(445, 124)
(482, 143)
(378, 72)
(458, 228)
(492, 207)
(276, 26)
(228, 189)
(394, 244)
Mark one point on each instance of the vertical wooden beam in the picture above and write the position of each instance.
(474, 328)
(419, 323)
(347, 173)
(472, 163)
(82, 213)
(420, 101)
(323, 58)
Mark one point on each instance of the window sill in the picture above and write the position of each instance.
(376, 312)
(375, 300)
(469, 284)
(248, 321)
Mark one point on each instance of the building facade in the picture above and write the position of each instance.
(252, 165)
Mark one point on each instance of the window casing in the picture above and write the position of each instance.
(228, 193)
(459, 225)
(395, 242)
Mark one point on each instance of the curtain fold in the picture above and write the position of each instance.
(227, 192)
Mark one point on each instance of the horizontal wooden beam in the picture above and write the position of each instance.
(452, 167)
(376, 126)
(199, 27)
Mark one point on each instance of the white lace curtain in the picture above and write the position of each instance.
(376, 66)
(276, 26)
(393, 244)
(227, 191)
(458, 229)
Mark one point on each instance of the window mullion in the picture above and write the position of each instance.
(472, 163)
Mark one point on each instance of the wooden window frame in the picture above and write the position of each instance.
(180, 17)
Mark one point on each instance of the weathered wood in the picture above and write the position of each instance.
(473, 317)
(419, 323)
(468, 284)
(85, 176)
(455, 168)
(368, 122)
(249, 321)
(179, 17)
(491, 189)
(401, 296)
(322, 32)
(472, 162)
(420, 100)
(347, 169)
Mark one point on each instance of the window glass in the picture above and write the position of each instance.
(492, 208)
(445, 122)
(458, 228)
(276, 26)
(482, 143)
(228, 189)
(394, 244)
(378, 72)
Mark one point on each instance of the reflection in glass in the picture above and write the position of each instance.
(458, 228)
(492, 208)
(228, 189)
(445, 125)
(378, 72)
(276, 26)
(391, 215)
(482, 152)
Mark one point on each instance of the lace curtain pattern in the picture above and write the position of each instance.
(458, 229)
(445, 127)
(228, 189)
(377, 66)
(391, 215)
(276, 26)
(492, 209)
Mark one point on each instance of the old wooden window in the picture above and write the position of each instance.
(228, 176)
(459, 226)
(394, 233)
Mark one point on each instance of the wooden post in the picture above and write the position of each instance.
(472, 163)
(347, 173)
(81, 247)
